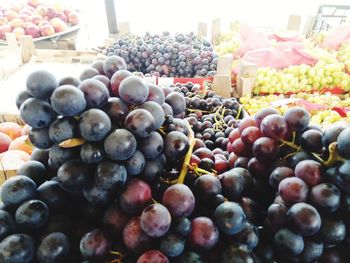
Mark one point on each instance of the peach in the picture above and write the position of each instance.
(40, 10)
(34, 3)
(47, 30)
(20, 154)
(13, 160)
(63, 17)
(19, 31)
(22, 143)
(36, 19)
(32, 30)
(73, 18)
(24, 17)
(16, 7)
(67, 11)
(3, 21)
(28, 9)
(43, 23)
(10, 15)
(58, 24)
(3, 30)
(5, 142)
(50, 12)
(12, 129)
(17, 22)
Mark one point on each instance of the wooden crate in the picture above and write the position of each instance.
(10, 57)
(11, 117)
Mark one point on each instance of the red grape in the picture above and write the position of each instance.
(278, 174)
(135, 238)
(246, 122)
(135, 197)
(155, 220)
(234, 135)
(241, 149)
(262, 114)
(274, 126)
(293, 190)
(303, 219)
(153, 256)
(204, 234)
(179, 194)
(297, 118)
(250, 135)
(232, 159)
(265, 149)
(310, 172)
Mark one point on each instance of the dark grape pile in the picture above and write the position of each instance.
(126, 171)
(182, 55)
(300, 175)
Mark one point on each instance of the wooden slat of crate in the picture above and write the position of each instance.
(11, 117)
(6, 174)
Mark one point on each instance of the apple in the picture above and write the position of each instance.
(3, 30)
(10, 15)
(36, 19)
(58, 24)
(34, 3)
(50, 12)
(32, 30)
(18, 31)
(17, 22)
(3, 21)
(73, 18)
(63, 17)
(47, 30)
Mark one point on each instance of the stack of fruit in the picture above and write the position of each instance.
(15, 147)
(36, 18)
(183, 55)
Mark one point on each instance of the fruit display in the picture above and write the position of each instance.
(128, 171)
(181, 55)
(15, 147)
(36, 18)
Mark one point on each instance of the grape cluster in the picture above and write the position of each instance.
(133, 172)
(181, 55)
(308, 170)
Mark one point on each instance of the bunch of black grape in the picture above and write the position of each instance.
(308, 169)
(183, 55)
(93, 149)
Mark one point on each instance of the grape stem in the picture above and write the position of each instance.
(239, 111)
(185, 165)
(199, 171)
(334, 155)
(291, 144)
(119, 257)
